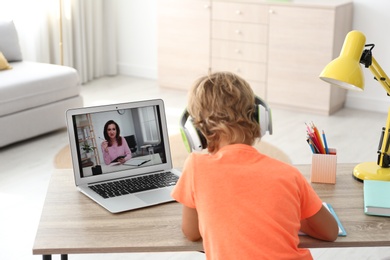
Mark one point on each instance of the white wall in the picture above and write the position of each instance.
(137, 37)
(372, 18)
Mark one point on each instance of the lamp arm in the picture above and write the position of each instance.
(380, 75)
(384, 144)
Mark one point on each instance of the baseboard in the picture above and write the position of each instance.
(137, 71)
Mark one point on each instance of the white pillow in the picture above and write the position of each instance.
(9, 42)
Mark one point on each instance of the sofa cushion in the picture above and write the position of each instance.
(33, 84)
(4, 65)
(9, 42)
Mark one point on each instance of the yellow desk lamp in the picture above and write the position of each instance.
(346, 72)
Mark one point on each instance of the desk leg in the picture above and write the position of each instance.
(48, 257)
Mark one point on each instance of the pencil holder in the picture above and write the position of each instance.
(323, 167)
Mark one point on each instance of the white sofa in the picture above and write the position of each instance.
(33, 96)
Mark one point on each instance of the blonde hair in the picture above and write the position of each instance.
(222, 108)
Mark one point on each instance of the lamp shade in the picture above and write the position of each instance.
(346, 71)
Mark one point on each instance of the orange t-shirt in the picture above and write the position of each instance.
(249, 205)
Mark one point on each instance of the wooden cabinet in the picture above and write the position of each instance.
(183, 42)
(239, 41)
(279, 47)
(302, 40)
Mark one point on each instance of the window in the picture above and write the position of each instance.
(149, 125)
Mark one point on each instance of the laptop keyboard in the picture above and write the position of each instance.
(135, 184)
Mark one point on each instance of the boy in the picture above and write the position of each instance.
(243, 204)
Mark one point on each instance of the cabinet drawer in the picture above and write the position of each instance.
(239, 12)
(247, 70)
(245, 32)
(239, 51)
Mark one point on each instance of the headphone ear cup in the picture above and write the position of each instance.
(202, 139)
(263, 116)
(262, 120)
(256, 114)
(185, 140)
(192, 138)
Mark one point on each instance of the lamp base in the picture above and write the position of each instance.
(371, 171)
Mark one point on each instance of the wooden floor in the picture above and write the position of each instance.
(25, 168)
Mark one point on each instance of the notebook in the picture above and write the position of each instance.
(142, 163)
(376, 197)
(342, 232)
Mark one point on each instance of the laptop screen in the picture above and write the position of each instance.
(120, 139)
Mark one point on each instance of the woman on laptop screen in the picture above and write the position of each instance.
(115, 147)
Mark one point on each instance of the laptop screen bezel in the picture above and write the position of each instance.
(70, 113)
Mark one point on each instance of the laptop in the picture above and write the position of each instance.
(136, 174)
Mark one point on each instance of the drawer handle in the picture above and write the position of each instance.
(237, 31)
(271, 11)
(237, 51)
(206, 6)
(238, 12)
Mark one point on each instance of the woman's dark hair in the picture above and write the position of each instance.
(118, 132)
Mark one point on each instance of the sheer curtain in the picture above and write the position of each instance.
(89, 37)
(88, 33)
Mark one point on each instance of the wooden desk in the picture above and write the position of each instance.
(71, 223)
